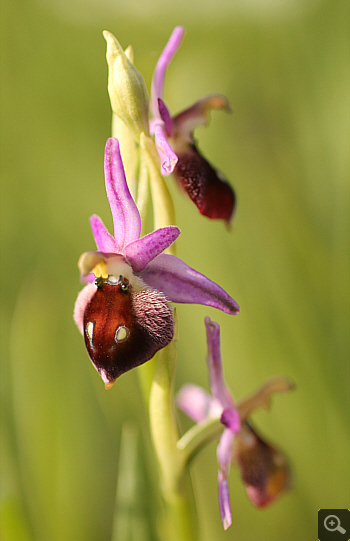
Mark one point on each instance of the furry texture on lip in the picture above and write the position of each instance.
(124, 326)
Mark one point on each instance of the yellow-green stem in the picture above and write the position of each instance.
(174, 483)
(163, 206)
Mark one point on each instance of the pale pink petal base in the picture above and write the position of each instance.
(81, 303)
(194, 402)
(126, 217)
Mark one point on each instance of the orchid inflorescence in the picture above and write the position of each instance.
(124, 310)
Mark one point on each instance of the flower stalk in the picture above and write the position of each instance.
(163, 206)
(174, 481)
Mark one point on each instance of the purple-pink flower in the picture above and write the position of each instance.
(264, 471)
(177, 149)
(123, 312)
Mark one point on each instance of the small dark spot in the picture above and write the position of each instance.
(99, 281)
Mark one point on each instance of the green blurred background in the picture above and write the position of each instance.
(284, 66)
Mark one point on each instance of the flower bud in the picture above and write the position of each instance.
(126, 88)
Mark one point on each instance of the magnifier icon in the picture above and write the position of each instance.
(332, 524)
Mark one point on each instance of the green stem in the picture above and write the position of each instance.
(198, 436)
(163, 206)
(129, 150)
(174, 479)
(179, 514)
(129, 516)
(143, 191)
(145, 374)
(174, 484)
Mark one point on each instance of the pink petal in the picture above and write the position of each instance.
(83, 299)
(167, 156)
(162, 64)
(194, 401)
(142, 251)
(126, 217)
(104, 240)
(217, 385)
(224, 501)
(181, 283)
(166, 117)
(224, 454)
(230, 418)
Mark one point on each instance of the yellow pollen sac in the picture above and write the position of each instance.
(100, 270)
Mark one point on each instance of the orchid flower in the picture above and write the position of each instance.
(176, 146)
(264, 471)
(124, 311)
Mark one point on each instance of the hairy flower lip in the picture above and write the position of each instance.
(264, 470)
(205, 186)
(124, 325)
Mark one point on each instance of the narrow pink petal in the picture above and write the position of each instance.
(166, 117)
(162, 64)
(167, 156)
(81, 303)
(230, 418)
(224, 501)
(194, 401)
(181, 283)
(88, 279)
(142, 251)
(217, 385)
(224, 455)
(104, 240)
(224, 452)
(126, 217)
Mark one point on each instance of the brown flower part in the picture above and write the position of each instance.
(125, 326)
(205, 186)
(264, 471)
